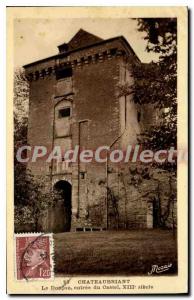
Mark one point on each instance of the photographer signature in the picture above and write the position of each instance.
(159, 269)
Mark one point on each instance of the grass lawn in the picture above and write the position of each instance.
(114, 252)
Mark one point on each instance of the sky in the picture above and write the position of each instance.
(35, 39)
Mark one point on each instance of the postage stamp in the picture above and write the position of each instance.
(34, 256)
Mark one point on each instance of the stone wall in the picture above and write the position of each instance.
(146, 197)
(103, 195)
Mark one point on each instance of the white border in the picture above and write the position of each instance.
(3, 4)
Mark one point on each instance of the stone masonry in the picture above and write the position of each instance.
(74, 100)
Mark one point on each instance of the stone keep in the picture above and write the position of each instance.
(74, 100)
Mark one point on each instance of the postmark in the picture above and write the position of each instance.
(34, 256)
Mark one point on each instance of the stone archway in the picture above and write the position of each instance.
(64, 206)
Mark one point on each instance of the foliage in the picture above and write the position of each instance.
(161, 35)
(21, 91)
(156, 83)
(30, 195)
(32, 198)
(21, 96)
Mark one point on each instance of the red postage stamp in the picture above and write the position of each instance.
(34, 256)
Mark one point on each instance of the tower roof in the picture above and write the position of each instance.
(81, 39)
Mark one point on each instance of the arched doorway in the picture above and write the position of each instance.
(64, 188)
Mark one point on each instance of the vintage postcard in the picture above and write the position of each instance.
(97, 121)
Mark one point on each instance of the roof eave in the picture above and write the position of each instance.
(81, 48)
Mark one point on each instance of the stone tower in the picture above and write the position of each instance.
(74, 100)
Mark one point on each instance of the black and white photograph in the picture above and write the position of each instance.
(97, 150)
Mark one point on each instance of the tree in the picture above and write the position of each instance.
(156, 83)
(30, 195)
(21, 93)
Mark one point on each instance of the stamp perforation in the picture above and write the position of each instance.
(34, 258)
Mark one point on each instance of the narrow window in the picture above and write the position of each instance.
(82, 175)
(113, 51)
(138, 116)
(64, 112)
